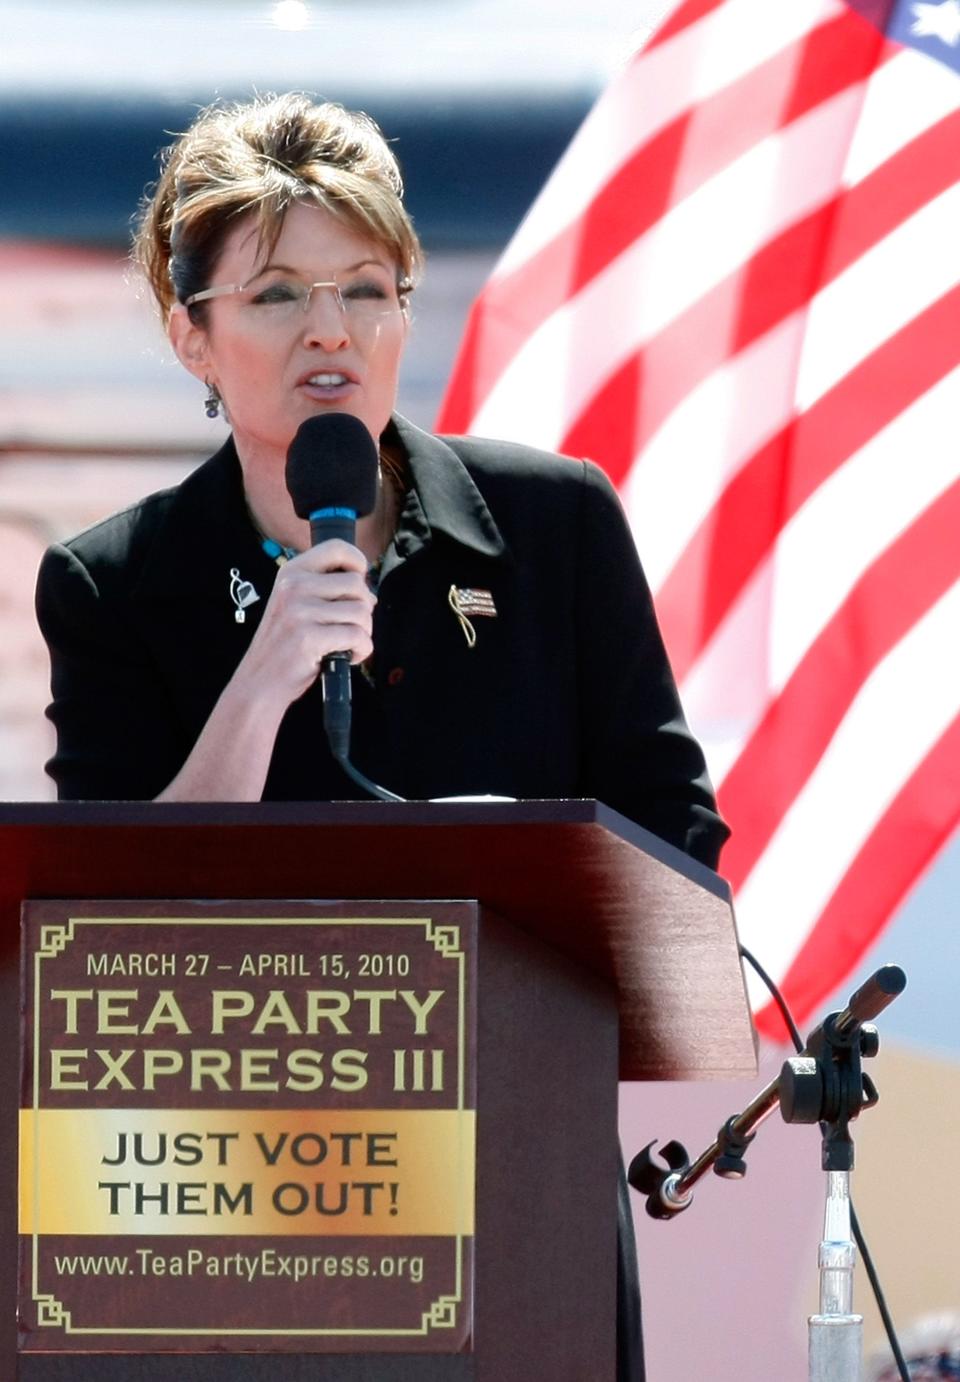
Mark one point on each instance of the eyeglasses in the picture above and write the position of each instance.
(362, 302)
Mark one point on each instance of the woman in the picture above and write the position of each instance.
(501, 631)
(510, 647)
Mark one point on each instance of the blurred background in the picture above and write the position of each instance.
(480, 98)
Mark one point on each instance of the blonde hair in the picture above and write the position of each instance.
(258, 158)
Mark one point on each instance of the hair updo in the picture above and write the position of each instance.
(258, 158)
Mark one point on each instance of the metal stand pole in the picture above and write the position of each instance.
(826, 1085)
(836, 1334)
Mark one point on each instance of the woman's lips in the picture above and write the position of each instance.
(328, 384)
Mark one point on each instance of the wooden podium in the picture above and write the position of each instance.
(603, 953)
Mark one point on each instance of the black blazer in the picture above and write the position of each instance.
(566, 693)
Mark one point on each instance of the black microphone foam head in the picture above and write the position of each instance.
(332, 463)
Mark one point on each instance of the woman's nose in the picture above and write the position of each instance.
(325, 321)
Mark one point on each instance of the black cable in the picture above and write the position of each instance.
(365, 782)
(858, 1237)
(879, 1297)
(778, 998)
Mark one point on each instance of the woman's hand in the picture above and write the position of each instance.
(320, 604)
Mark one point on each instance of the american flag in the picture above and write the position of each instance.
(739, 292)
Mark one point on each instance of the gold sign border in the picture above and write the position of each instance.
(54, 938)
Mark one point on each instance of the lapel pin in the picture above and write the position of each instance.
(468, 604)
(242, 594)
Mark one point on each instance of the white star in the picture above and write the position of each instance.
(942, 21)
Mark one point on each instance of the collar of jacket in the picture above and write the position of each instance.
(443, 497)
(207, 522)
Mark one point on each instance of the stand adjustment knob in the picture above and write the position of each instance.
(801, 1090)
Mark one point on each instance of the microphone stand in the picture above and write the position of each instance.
(825, 1084)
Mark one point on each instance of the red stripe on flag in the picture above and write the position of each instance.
(836, 56)
(779, 280)
(767, 491)
(511, 308)
(736, 312)
(686, 15)
(621, 402)
(464, 391)
(891, 596)
(921, 170)
(671, 165)
(911, 832)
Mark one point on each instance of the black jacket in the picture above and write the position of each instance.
(567, 692)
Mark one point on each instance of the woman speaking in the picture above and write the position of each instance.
(501, 631)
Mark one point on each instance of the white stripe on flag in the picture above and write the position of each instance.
(659, 87)
(819, 556)
(874, 298)
(571, 354)
(719, 424)
(906, 96)
(913, 689)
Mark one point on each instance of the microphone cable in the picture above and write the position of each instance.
(383, 793)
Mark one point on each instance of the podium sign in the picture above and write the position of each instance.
(247, 1126)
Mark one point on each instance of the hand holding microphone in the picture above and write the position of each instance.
(319, 617)
(320, 612)
(331, 475)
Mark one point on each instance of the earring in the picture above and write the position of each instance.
(211, 404)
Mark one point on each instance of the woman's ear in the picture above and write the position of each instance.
(189, 342)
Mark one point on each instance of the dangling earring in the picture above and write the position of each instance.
(211, 405)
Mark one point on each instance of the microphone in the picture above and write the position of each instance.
(331, 477)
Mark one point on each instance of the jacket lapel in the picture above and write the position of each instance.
(182, 597)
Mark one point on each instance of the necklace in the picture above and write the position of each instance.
(392, 487)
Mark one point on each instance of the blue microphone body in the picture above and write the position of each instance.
(337, 521)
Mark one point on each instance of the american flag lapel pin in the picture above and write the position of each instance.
(468, 604)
